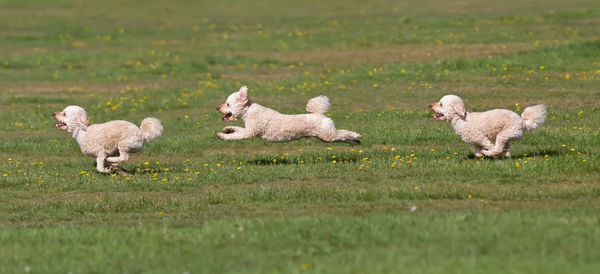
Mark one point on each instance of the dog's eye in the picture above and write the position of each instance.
(441, 105)
(227, 104)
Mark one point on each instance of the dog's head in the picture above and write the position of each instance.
(235, 105)
(448, 107)
(70, 118)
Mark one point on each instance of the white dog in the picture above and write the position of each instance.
(273, 126)
(109, 142)
(481, 128)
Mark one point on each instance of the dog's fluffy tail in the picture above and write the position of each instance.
(151, 128)
(318, 105)
(533, 117)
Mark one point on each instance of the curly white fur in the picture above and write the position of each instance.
(273, 126)
(110, 142)
(481, 128)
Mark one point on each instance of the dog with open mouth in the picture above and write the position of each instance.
(273, 126)
(110, 142)
(491, 131)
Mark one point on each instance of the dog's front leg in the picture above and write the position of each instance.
(230, 129)
(100, 164)
(235, 133)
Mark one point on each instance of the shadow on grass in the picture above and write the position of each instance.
(266, 161)
(131, 170)
(542, 153)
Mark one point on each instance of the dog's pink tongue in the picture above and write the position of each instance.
(226, 117)
(60, 125)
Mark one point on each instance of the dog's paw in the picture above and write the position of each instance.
(106, 169)
(507, 154)
(228, 130)
(221, 136)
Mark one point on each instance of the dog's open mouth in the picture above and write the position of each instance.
(226, 117)
(438, 116)
(61, 125)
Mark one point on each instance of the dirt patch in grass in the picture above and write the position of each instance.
(40, 88)
(329, 208)
(378, 56)
(589, 20)
(113, 196)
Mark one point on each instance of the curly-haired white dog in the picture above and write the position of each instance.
(273, 126)
(110, 142)
(481, 128)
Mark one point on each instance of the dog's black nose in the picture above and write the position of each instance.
(218, 108)
(53, 114)
(430, 105)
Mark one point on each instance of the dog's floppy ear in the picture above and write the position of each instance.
(460, 110)
(82, 119)
(243, 95)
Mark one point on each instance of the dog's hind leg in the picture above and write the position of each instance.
(349, 137)
(123, 157)
(341, 135)
(328, 133)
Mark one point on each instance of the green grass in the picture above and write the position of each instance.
(412, 198)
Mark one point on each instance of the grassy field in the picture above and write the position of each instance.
(412, 198)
